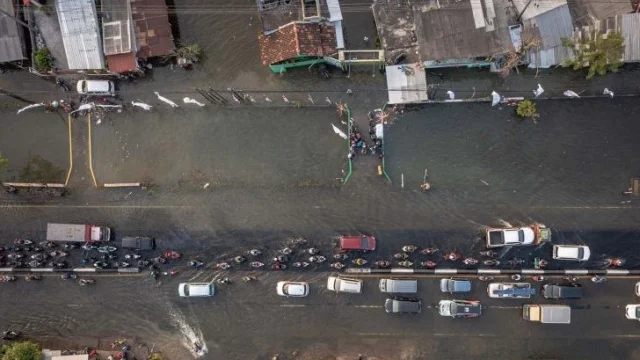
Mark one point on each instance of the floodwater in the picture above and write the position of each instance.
(272, 176)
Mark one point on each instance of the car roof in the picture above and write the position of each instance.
(402, 305)
(295, 288)
(464, 307)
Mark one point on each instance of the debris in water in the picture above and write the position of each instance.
(142, 105)
(266, 98)
(206, 185)
(537, 92)
(339, 132)
(29, 107)
(571, 94)
(285, 99)
(452, 96)
(495, 98)
(311, 99)
(165, 100)
(328, 100)
(484, 182)
(189, 100)
(608, 92)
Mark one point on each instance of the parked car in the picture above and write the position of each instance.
(562, 291)
(292, 288)
(637, 289)
(398, 286)
(196, 289)
(632, 311)
(357, 243)
(571, 252)
(510, 290)
(340, 284)
(520, 236)
(399, 305)
(138, 243)
(96, 87)
(459, 308)
(455, 285)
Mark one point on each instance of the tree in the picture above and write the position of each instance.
(43, 61)
(600, 52)
(516, 57)
(3, 165)
(527, 109)
(25, 350)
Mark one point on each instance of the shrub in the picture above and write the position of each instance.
(43, 60)
(527, 109)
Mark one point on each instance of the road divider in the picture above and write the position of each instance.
(77, 270)
(405, 271)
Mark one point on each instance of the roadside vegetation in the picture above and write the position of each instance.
(24, 350)
(601, 53)
(526, 109)
(44, 62)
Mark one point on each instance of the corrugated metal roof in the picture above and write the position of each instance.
(630, 29)
(552, 26)
(116, 26)
(122, 63)
(80, 34)
(534, 8)
(71, 357)
(10, 41)
(335, 14)
(152, 28)
(403, 88)
(339, 34)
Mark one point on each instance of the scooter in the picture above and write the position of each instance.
(22, 242)
(359, 261)
(409, 248)
(470, 261)
(68, 276)
(254, 252)
(239, 259)
(488, 253)
(313, 251)
(256, 264)
(401, 256)
(107, 249)
(84, 282)
(485, 278)
(132, 256)
(33, 278)
(491, 262)
(429, 251)
(405, 263)
(337, 265)
(382, 264)
(429, 264)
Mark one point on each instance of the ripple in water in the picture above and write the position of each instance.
(190, 335)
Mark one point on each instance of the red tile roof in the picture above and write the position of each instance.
(121, 63)
(152, 28)
(297, 38)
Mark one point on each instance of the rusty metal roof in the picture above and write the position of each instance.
(297, 38)
(122, 63)
(152, 28)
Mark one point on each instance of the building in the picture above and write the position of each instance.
(443, 33)
(118, 36)
(11, 41)
(629, 26)
(298, 43)
(587, 12)
(80, 34)
(152, 29)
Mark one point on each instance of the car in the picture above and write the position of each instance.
(292, 288)
(562, 291)
(510, 290)
(96, 87)
(357, 243)
(571, 252)
(138, 243)
(401, 305)
(195, 289)
(459, 308)
(632, 311)
(346, 285)
(637, 289)
(510, 237)
(455, 285)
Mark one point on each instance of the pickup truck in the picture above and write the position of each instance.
(547, 314)
(78, 233)
(510, 290)
(528, 235)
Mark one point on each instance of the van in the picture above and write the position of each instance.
(138, 243)
(345, 285)
(565, 291)
(96, 87)
(399, 305)
(196, 289)
(454, 285)
(399, 286)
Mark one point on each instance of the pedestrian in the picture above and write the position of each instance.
(366, 40)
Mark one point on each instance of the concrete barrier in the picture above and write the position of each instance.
(121, 185)
(129, 270)
(583, 272)
(34, 185)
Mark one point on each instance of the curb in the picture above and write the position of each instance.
(75, 270)
(404, 271)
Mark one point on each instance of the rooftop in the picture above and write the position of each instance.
(277, 13)
(629, 26)
(80, 34)
(116, 26)
(406, 84)
(295, 39)
(152, 28)
(10, 39)
(443, 29)
(586, 12)
(550, 26)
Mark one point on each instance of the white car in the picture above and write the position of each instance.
(632, 311)
(292, 289)
(571, 252)
(637, 289)
(196, 289)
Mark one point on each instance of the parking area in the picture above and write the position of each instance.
(222, 147)
(36, 144)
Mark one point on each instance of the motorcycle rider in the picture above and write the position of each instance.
(359, 261)
(255, 252)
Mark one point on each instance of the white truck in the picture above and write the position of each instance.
(510, 290)
(78, 233)
(547, 314)
(527, 235)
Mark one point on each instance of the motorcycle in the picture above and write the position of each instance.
(318, 259)
(409, 248)
(298, 264)
(515, 262)
(171, 255)
(22, 242)
(70, 246)
(68, 276)
(470, 261)
(340, 257)
(313, 251)
(10, 335)
(223, 266)
(123, 264)
(254, 252)
(14, 256)
(62, 85)
(286, 251)
(488, 253)
(337, 265)
(47, 244)
(382, 264)
(143, 263)
(89, 247)
(56, 253)
(281, 259)
(100, 265)
(452, 256)
(401, 256)
(278, 266)
(405, 263)
(248, 278)
(38, 257)
(36, 263)
(429, 251)
(33, 278)
(8, 278)
(297, 242)
(132, 256)
(159, 260)
(84, 282)
(491, 262)
(239, 259)
(107, 249)
(429, 264)
(537, 278)
(256, 264)
(37, 249)
(485, 278)
(359, 261)
(614, 262)
(598, 279)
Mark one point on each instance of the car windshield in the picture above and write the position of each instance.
(521, 236)
(637, 312)
(580, 253)
(186, 290)
(364, 242)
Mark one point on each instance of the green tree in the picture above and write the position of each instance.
(25, 350)
(527, 109)
(600, 53)
(43, 60)
(3, 165)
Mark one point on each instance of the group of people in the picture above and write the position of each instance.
(358, 144)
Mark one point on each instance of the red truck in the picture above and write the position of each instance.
(357, 243)
(77, 233)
